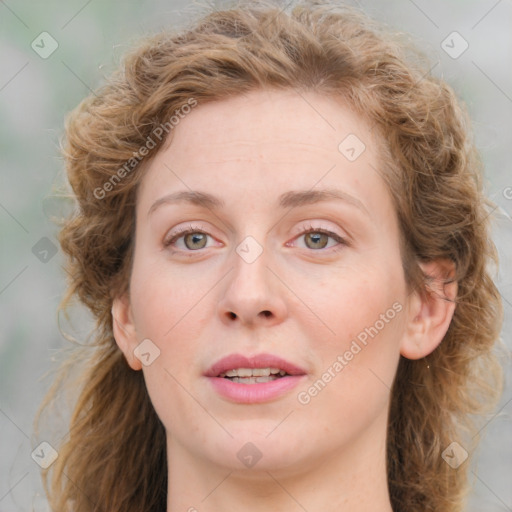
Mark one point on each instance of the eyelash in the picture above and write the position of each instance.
(331, 234)
(311, 229)
(182, 232)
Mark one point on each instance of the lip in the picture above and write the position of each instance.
(234, 361)
(260, 391)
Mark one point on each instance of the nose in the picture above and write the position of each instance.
(253, 294)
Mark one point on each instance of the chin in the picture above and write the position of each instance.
(251, 452)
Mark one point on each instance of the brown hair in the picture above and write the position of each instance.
(114, 456)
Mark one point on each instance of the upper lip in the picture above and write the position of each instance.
(234, 361)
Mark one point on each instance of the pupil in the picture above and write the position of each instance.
(196, 238)
(316, 238)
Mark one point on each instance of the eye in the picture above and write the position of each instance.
(194, 238)
(318, 238)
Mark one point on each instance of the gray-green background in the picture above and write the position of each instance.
(36, 93)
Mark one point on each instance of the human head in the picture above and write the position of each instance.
(428, 162)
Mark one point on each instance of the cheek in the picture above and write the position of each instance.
(165, 300)
(358, 354)
(358, 364)
(354, 300)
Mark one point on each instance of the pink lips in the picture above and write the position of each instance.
(234, 361)
(258, 392)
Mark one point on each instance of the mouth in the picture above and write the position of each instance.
(261, 366)
(255, 379)
(253, 375)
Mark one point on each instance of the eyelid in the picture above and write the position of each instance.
(313, 225)
(304, 230)
(300, 231)
(182, 231)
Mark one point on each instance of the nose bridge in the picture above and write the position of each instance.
(252, 292)
(250, 276)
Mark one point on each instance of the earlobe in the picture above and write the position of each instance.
(124, 330)
(431, 313)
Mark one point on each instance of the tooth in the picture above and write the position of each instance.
(266, 379)
(261, 372)
(244, 372)
(231, 373)
(247, 380)
(274, 371)
(254, 380)
(282, 372)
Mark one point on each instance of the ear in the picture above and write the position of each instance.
(429, 316)
(124, 330)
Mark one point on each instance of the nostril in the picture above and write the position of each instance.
(232, 315)
(267, 313)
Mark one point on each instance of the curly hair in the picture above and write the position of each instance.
(434, 176)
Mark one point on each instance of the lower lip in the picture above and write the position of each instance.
(254, 393)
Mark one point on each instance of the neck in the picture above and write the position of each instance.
(351, 478)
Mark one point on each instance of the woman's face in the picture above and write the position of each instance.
(292, 261)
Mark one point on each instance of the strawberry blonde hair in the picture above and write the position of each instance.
(114, 456)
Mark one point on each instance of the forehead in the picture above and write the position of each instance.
(263, 141)
(270, 117)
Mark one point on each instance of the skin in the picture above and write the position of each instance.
(299, 300)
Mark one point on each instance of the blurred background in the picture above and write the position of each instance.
(54, 53)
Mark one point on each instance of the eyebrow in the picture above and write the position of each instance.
(290, 199)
